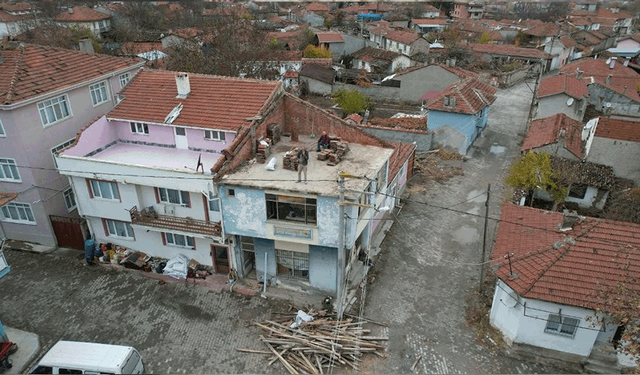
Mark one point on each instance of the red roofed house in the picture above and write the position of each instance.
(378, 60)
(332, 41)
(16, 18)
(558, 135)
(428, 25)
(48, 94)
(459, 113)
(616, 143)
(84, 17)
(562, 94)
(552, 270)
(172, 170)
(612, 85)
(406, 42)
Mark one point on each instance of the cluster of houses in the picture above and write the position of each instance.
(167, 163)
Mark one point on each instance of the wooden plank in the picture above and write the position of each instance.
(252, 351)
(286, 364)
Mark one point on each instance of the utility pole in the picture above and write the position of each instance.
(535, 93)
(341, 258)
(484, 236)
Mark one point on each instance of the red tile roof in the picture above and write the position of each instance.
(623, 79)
(214, 102)
(401, 153)
(506, 50)
(329, 37)
(549, 130)
(462, 73)
(403, 36)
(546, 29)
(7, 197)
(563, 84)
(429, 21)
(30, 70)
(134, 48)
(375, 54)
(317, 7)
(470, 95)
(570, 267)
(379, 27)
(356, 118)
(567, 41)
(17, 7)
(82, 14)
(618, 129)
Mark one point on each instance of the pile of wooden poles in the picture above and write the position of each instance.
(314, 347)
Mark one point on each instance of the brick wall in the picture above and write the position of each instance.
(303, 118)
(423, 140)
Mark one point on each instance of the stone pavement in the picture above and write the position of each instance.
(177, 327)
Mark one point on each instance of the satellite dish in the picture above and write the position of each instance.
(570, 102)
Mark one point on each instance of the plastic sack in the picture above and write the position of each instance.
(177, 267)
(271, 166)
(301, 317)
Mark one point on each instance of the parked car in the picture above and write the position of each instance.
(74, 357)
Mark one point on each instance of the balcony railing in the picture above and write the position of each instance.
(150, 218)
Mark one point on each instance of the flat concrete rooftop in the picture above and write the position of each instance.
(322, 178)
(154, 156)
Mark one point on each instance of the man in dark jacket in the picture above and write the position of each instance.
(303, 160)
(324, 141)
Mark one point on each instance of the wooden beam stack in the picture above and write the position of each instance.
(314, 347)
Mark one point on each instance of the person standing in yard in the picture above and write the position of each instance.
(303, 160)
(89, 250)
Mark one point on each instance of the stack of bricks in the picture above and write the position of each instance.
(263, 151)
(290, 160)
(337, 150)
(324, 154)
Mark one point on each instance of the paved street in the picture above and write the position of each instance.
(428, 264)
(177, 328)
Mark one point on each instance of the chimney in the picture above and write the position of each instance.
(569, 218)
(86, 46)
(182, 82)
(624, 91)
(578, 73)
(453, 62)
(609, 79)
(70, 10)
(626, 62)
(613, 62)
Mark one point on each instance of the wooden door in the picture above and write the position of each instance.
(220, 256)
(68, 231)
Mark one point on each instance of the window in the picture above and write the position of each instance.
(293, 264)
(174, 196)
(104, 189)
(2, 133)
(9, 170)
(214, 135)
(102, 25)
(179, 240)
(69, 199)
(120, 229)
(98, 93)
(60, 147)
(139, 128)
(562, 325)
(449, 101)
(578, 191)
(181, 131)
(288, 208)
(18, 213)
(214, 202)
(54, 110)
(124, 78)
(231, 192)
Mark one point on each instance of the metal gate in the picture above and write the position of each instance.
(68, 231)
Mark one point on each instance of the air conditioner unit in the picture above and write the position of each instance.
(169, 210)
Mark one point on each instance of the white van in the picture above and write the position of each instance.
(73, 357)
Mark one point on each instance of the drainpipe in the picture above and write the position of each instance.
(341, 260)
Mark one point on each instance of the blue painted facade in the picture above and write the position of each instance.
(245, 214)
(469, 126)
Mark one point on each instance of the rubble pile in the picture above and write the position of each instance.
(311, 343)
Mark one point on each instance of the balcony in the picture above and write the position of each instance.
(150, 218)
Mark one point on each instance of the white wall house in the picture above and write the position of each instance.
(84, 17)
(142, 174)
(552, 269)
